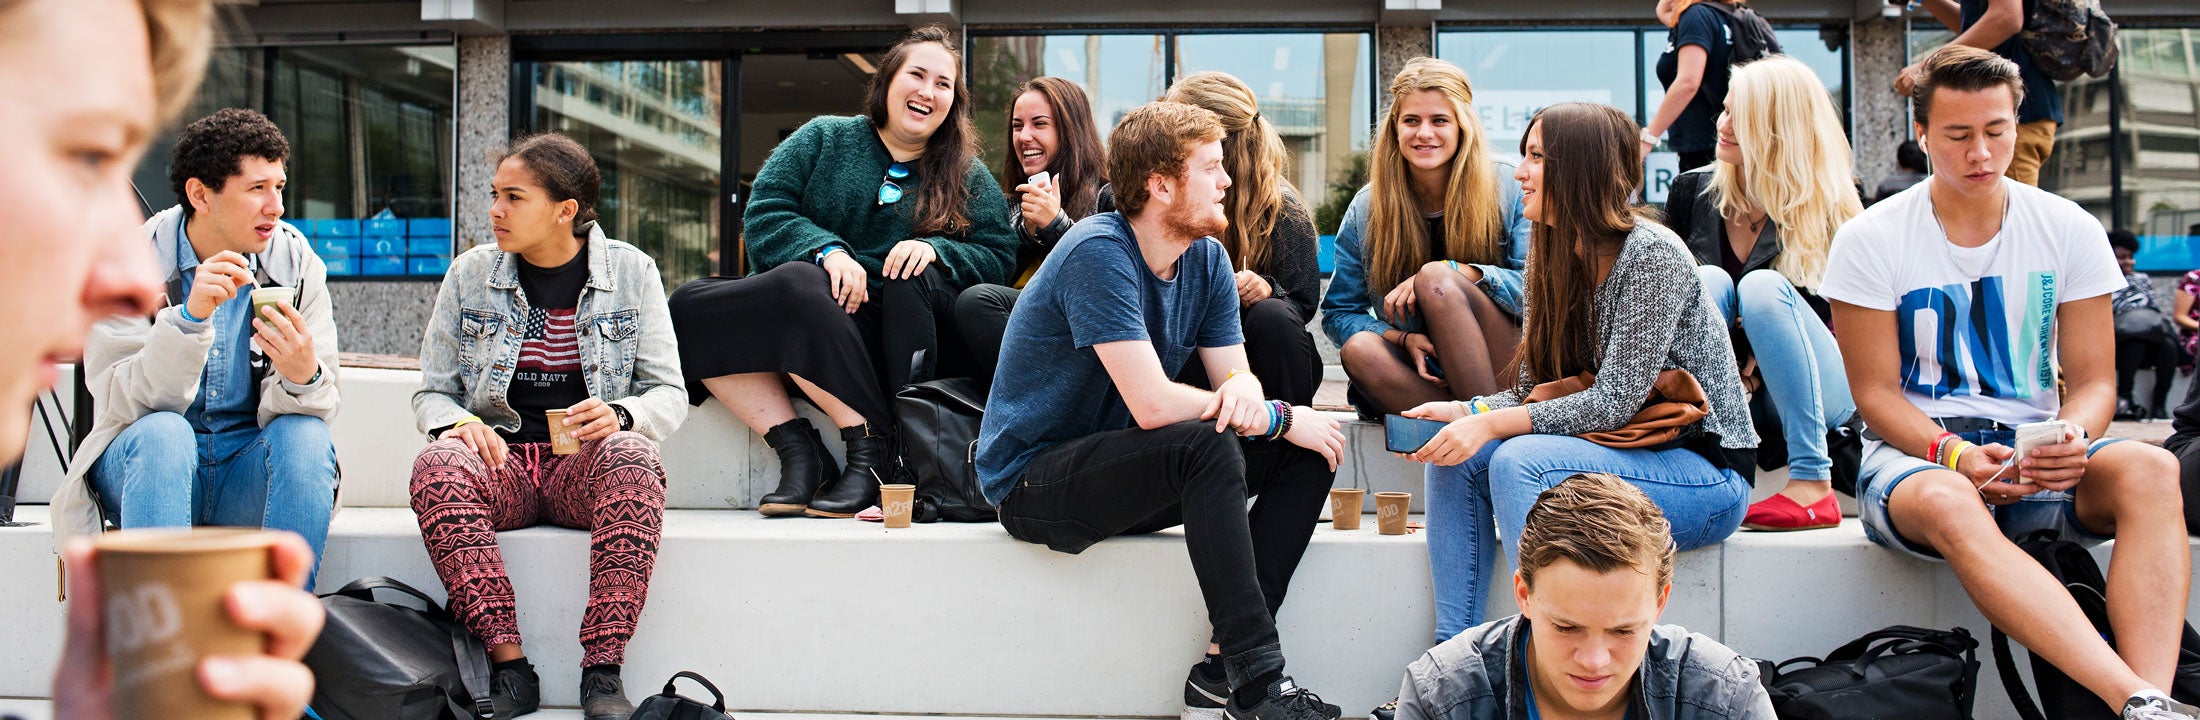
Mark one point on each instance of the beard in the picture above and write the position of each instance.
(1196, 221)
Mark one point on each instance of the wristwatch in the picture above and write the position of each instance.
(1649, 138)
(626, 422)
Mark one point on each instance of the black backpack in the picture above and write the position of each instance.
(2069, 38)
(383, 661)
(2061, 697)
(1901, 672)
(939, 446)
(1749, 36)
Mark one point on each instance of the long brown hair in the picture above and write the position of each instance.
(1080, 162)
(1396, 243)
(1253, 155)
(942, 195)
(1591, 169)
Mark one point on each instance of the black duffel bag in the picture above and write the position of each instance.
(1902, 672)
(939, 446)
(383, 661)
(671, 705)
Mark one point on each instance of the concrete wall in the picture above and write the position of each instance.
(383, 317)
(1879, 119)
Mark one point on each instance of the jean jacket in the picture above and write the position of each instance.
(1347, 309)
(629, 356)
(1477, 676)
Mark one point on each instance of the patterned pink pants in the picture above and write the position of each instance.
(614, 488)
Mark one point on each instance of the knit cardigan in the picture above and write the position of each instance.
(1651, 314)
(821, 185)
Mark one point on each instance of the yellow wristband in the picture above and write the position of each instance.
(1480, 407)
(1234, 372)
(464, 420)
(1955, 456)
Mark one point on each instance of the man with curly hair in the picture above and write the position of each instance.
(205, 412)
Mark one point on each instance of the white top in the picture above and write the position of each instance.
(1976, 325)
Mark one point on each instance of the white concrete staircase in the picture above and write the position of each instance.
(840, 617)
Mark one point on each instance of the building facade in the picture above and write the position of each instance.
(394, 107)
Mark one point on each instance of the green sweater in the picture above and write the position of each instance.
(820, 187)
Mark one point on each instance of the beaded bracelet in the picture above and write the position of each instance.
(1279, 419)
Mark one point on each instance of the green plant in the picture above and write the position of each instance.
(1330, 213)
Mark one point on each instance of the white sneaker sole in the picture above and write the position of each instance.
(1192, 713)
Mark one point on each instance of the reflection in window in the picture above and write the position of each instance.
(371, 136)
(1516, 72)
(653, 127)
(2160, 124)
(1117, 72)
(1313, 88)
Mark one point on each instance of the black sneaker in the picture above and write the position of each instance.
(2158, 709)
(1285, 700)
(1385, 711)
(1204, 697)
(603, 695)
(515, 690)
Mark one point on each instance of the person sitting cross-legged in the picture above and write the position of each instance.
(1085, 436)
(1955, 299)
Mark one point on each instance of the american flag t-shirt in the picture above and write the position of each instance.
(550, 345)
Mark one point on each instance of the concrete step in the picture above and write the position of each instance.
(847, 617)
(34, 709)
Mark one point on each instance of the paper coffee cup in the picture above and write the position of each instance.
(899, 501)
(162, 603)
(1345, 507)
(561, 437)
(264, 297)
(1390, 512)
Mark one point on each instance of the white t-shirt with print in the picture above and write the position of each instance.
(1976, 325)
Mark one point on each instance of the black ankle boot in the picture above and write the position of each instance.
(870, 463)
(804, 466)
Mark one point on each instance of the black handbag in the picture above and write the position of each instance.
(1900, 672)
(382, 661)
(939, 444)
(670, 705)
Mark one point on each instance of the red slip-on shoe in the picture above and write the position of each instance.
(1782, 514)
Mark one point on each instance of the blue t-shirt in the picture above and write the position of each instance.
(2041, 100)
(1697, 128)
(1094, 288)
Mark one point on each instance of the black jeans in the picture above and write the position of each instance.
(1133, 481)
(982, 312)
(2153, 351)
(918, 314)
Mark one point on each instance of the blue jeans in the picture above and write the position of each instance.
(1473, 503)
(160, 472)
(1797, 358)
(1885, 467)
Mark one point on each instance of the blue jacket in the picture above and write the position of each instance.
(1347, 310)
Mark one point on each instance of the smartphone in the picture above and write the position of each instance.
(1402, 434)
(1041, 178)
(1434, 370)
(2036, 435)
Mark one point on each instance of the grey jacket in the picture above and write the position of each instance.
(143, 365)
(1684, 676)
(629, 356)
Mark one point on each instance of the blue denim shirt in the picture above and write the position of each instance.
(228, 398)
(1347, 310)
(1481, 674)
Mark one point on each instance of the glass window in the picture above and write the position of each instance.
(1313, 88)
(2160, 124)
(371, 133)
(1516, 72)
(1825, 50)
(1117, 72)
(653, 127)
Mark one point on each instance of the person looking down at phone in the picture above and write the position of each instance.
(1955, 299)
(1616, 303)
(1056, 167)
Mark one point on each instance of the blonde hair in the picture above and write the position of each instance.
(182, 33)
(1795, 163)
(1598, 522)
(1396, 243)
(1253, 155)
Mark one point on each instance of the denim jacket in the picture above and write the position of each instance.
(1347, 310)
(629, 356)
(1476, 676)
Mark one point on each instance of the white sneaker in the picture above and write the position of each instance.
(2159, 709)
